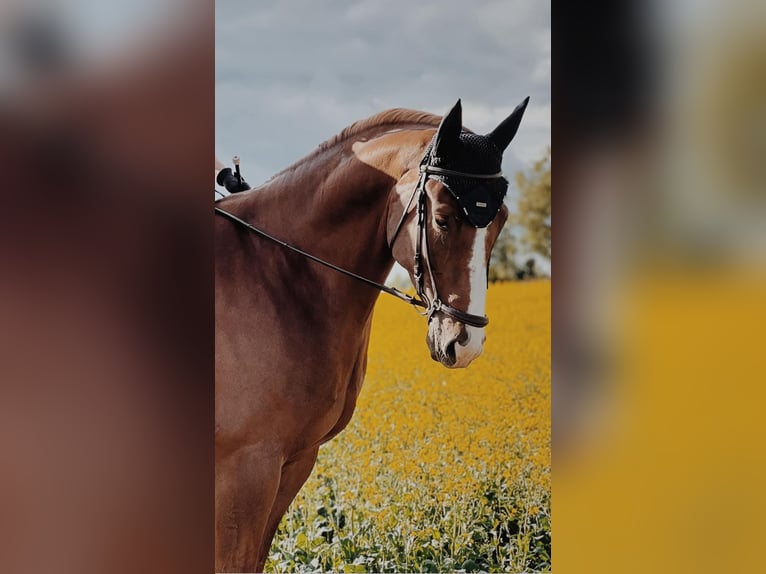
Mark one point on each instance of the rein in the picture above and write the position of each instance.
(384, 288)
(421, 250)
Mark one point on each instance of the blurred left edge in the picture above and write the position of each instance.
(106, 316)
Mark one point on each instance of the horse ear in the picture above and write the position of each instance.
(502, 135)
(449, 130)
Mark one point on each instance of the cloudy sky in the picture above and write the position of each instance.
(292, 73)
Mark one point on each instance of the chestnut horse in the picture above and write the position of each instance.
(292, 335)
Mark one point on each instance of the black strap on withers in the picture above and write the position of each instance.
(384, 288)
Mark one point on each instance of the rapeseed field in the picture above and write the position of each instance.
(439, 470)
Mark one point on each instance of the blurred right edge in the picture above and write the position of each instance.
(659, 196)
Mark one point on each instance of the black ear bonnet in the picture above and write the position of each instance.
(480, 198)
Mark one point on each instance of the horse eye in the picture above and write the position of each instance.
(441, 221)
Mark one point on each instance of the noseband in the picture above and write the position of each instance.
(435, 305)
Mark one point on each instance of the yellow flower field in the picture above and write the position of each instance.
(439, 470)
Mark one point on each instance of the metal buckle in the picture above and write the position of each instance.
(435, 307)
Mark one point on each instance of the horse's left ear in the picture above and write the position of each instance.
(449, 130)
(502, 135)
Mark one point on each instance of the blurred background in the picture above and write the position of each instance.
(660, 193)
(106, 323)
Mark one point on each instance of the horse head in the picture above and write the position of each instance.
(444, 239)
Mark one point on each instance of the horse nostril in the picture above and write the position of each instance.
(450, 351)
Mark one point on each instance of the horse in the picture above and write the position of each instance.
(292, 334)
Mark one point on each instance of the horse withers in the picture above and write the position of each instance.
(292, 335)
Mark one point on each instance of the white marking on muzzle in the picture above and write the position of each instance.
(477, 298)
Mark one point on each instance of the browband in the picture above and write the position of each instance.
(427, 168)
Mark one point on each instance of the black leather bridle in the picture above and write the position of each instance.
(431, 305)
(421, 245)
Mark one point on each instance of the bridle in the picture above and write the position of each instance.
(421, 243)
(431, 305)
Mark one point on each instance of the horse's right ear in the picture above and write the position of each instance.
(449, 130)
(503, 134)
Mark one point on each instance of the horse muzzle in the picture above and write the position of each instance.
(452, 343)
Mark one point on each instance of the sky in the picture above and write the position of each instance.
(291, 74)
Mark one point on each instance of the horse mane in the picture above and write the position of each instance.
(396, 117)
(387, 118)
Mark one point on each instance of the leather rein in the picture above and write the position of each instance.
(431, 306)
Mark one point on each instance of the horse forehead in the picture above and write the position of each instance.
(440, 195)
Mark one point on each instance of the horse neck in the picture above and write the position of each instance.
(334, 205)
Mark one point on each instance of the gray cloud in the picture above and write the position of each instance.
(291, 74)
